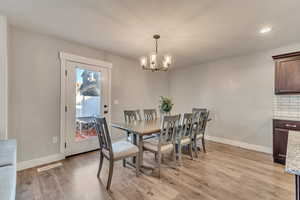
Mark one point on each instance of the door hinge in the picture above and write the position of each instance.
(66, 73)
(65, 145)
(66, 108)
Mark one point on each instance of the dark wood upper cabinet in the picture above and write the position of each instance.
(287, 73)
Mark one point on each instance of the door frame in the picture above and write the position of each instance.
(3, 78)
(64, 57)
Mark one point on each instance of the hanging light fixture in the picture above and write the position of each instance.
(156, 62)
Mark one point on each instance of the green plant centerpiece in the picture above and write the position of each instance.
(165, 105)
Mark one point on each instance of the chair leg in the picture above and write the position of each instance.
(174, 157)
(100, 164)
(137, 165)
(191, 150)
(111, 169)
(180, 154)
(124, 162)
(159, 163)
(203, 145)
(196, 149)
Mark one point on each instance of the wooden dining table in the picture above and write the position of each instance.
(139, 129)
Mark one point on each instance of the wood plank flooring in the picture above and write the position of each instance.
(224, 173)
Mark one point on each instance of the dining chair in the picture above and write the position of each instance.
(200, 129)
(113, 152)
(150, 114)
(202, 110)
(132, 115)
(166, 141)
(185, 135)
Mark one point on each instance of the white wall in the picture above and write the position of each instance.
(3, 77)
(34, 89)
(238, 91)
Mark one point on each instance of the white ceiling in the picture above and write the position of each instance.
(193, 31)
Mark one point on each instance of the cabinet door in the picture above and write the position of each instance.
(287, 76)
(280, 139)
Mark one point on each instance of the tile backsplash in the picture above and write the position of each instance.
(286, 107)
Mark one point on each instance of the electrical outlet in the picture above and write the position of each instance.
(54, 140)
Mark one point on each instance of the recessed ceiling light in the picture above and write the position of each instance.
(265, 30)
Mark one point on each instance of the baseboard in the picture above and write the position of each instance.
(39, 161)
(240, 144)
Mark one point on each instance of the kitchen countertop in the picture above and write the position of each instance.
(286, 118)
(293, 153)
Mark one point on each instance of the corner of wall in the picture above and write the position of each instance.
(3, 77)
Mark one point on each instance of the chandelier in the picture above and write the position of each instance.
(156, 62)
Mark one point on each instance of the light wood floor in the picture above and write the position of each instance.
(224, 173)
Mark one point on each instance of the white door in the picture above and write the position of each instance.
(87, 96)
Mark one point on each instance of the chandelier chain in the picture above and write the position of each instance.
(156, 45)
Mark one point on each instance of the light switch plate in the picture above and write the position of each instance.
(54, 140)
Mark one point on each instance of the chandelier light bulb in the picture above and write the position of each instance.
(153, 60)
(168, 59)
(143, 61)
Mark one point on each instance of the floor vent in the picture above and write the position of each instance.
(47, 167)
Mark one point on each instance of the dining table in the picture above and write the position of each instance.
(139, 129)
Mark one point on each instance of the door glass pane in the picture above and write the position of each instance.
(88, 102)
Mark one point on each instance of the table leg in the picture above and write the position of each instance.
(297, 178)
(141, 144)
(141, 156)
(128, 135)
(134, 141)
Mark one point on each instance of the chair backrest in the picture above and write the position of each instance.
(205, 120)
(197, 114)
(200, 111)
(150, 114)
(169, 129)
(103, 135)
(132, 115)
(200, 118)
(195, 110)
(186, 126)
